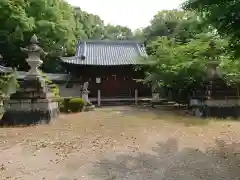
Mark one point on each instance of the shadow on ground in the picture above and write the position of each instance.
(167, 113)
(167, 162)
(179, 114)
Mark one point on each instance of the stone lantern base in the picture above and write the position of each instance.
(31, 104)
(218, 100)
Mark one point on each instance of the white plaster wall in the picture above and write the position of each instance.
(72, 92)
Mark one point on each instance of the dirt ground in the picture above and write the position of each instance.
(122, 143)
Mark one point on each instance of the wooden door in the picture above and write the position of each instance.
(115, 86)
(110, 86)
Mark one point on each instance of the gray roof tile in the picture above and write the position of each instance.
(22, 74)
(107, 53)
(4, 69)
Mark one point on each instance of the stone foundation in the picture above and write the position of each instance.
(222, 112)
(26, 112)
(216, 108)
(11, 118)
(32, 104)
(215, 112)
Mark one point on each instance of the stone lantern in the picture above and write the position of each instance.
(212, 71)
(32, 103)
(34, 52)
(212, 63)
(215, 102)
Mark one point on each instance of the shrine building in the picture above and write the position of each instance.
(108, 66)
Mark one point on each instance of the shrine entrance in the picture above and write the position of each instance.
(114, 82)
(116, 86)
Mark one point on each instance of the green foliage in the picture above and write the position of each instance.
(88, 25)
(230, 69)
(222, 15)
(69, 104)
(138, 34)
(177, 24)
(76, 104)
(53, 87)
(178, 58)
(53, 23)
(58, 26)
(63, 104)
(8, 84)
(177, 41)
(118, 32)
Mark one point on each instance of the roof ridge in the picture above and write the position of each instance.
(112, 41)
(139, 50)
(5, 69)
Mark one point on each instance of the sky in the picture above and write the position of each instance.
(131, 13)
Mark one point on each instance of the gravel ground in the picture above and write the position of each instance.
(122, 143)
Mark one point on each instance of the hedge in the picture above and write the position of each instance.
(69, 104)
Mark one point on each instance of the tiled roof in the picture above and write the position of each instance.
(22, 74)
(53, 77)
(107, 53)
(4, 69)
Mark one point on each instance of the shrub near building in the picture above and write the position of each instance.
(76, 104)
(69, 104)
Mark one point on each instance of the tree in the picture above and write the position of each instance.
(177, 25)
(222, 15)
(52, 21)
(179, 45)
(180, 68)
(92, 25)
(173, 23)
(14, 24)
(138, 34)
(58, 26)
(118, 32)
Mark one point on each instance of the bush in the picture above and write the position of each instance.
(76, 104)
(63, 104)
(69, 104)
(53, 87)
(55, 90)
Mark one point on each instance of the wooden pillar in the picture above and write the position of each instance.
(99, 98)
(136, 97)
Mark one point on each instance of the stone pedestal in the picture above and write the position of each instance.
(85, 96)
(216, 99)
(32, 103)
(89, 106)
